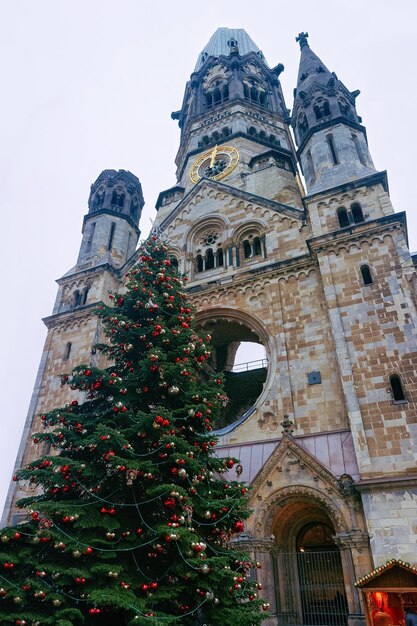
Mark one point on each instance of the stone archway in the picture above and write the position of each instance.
(310, 584)
(309, 579)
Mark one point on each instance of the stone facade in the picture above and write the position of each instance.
(324, 281)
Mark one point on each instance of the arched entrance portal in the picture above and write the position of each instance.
(310, 588)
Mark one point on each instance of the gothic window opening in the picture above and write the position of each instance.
(357, 213)
(317, 112)
(397, 389)
(344, 108)
(252, 247)
(111, 236)
(321, 109)
(210, 254)
(209, 259)
(99, 198)
(343, 217)
(85, 295)
(232, 43)
(332, 148)
(118, 198)
(218, 93)
(254, 92)
(76, 299)
(174, 261)
(247, 250)
(366, 275)
(67, 351)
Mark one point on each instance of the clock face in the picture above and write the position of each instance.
(215, 164)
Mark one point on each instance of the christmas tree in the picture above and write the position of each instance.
(134, 521)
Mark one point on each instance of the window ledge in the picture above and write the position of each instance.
(400, 401)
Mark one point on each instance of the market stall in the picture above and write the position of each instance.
(387, 592)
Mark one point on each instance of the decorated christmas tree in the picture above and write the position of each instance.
(136, 513)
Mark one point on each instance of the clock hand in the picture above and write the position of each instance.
(213, 155)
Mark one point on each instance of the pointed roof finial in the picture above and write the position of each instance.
(302, 40)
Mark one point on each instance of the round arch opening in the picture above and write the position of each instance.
(310, 587)
(240, 354)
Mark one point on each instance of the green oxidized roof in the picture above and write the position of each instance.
(220, 44)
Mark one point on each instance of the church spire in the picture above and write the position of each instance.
(331, 140)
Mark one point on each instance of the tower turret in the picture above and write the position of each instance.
(110, 228)
(331, 140)
(231, 91)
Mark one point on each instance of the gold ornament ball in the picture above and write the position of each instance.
(76, 554)
(56, 602)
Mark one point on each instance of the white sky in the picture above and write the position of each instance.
(90, 84)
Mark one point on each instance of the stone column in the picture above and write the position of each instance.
(354, 552)
(261, 550)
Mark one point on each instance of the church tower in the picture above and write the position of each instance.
(110, 235)
(321, 279)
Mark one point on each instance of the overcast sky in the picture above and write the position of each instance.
(90, 84)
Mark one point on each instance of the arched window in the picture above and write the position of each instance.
(366, 275)
(199, 263)
(342, 216)
(317, 112)
(397, 388)
(257, 246)
(326, 108)
(121, 200)
(76, 299)
(247, 250)
(252, 247)
(85, 294)
(252, 131)
(209, 259)
(99, 198)
(67, 351)
(217, 94)
(220, 258)
(174, 261)
(357, 213)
